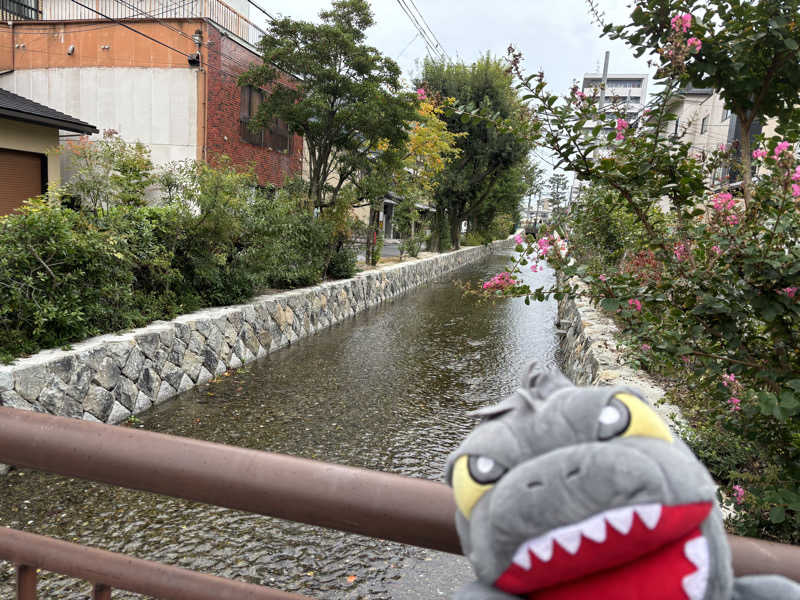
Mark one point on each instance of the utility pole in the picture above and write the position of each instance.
(603, 82)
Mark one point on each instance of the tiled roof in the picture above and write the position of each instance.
(13, 106)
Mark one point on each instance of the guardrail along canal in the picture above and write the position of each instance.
(387, 390)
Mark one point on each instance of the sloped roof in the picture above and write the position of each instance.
(13, 106)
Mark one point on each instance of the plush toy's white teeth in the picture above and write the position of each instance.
(696, 550)
(594, 528)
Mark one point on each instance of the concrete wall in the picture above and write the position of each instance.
(28, 137)
(111, 377)
(156, 106)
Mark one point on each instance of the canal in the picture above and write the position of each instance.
(386, 390)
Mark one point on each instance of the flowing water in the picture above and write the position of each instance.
(387, 390)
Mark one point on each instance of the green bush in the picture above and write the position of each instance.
(343, 263)
(474, 238)
(62, 279)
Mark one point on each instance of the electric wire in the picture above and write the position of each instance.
(431, 47)
(438, 43)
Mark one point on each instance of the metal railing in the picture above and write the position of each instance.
(375, 504)
(66, 10)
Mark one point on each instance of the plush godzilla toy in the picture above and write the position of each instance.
(568, 493)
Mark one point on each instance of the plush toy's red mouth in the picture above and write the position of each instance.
(643, 551)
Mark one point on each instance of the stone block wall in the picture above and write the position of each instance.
(109, 378)
(590, 354)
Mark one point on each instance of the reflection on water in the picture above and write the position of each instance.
(386, 390)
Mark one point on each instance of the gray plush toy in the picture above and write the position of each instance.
(584, 494)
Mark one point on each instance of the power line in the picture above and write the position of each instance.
(438, 43)
(269, 16)
(426, 38)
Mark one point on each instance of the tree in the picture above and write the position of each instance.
(747, 51)
(344, 97)
(500, 134)
(558, 189)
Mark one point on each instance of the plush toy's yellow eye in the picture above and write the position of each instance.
(473, 476)
(643, 419)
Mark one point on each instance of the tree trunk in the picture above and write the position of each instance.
(455, 231)
(747, 179)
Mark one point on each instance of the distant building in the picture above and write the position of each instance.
(28, 131)
(628, 92)
(162, 73)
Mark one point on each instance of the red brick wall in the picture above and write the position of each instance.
(224, 100)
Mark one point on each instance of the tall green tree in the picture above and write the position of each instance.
(345, 97)
(499, 134)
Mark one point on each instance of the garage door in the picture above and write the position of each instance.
(22, 175)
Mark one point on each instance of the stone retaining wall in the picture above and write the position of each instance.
(111, 377)
(591, 356)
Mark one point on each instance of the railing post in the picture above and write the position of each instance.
(101, 592)
(26, 582)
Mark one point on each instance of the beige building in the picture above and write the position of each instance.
(28, 132)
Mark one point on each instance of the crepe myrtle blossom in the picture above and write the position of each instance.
(681, 251)
(735, 403)
(536, 268)
(723, 201)
(500, 282)
(716, 250)
(635, 304)
(646, 347)
(738, 494)
(519, 239)
(421, 94)
(795, 190)
(728, 379)
(622, 125)
(732, 220)
(681, 22)
(602, 278)
(781, 148)
(694, 45)
(796, 174)
(789, 292)
(759, 153)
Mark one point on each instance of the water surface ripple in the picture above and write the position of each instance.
(387, 390)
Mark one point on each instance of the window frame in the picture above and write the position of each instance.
(704, 125)
(277, 137)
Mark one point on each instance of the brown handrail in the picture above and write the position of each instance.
(33, 552)
(381, 505)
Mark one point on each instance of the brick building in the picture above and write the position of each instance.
(159, 72)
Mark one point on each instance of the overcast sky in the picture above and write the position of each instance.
(556, 36)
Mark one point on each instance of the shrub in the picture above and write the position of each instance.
(62, 279)
(474, 238)
(343, 263)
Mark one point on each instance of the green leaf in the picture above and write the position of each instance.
(777, 514)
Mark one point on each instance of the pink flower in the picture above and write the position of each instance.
(734, 402)
(622, 125)
(795, 190)
(694, 45)
(723, 201)
(602, 278)
(781, 147)
(681, 22)
(728, 379)
(635, 304)
(716, 250)
(789, 292)
(544, 246)
(681, 251)
(646, 347)
(722, 148)
(759, 153)
(536, 268)
(796, 174)
(518, 239)
(733, 219)
(421, 94)
(738, 494)
(500, 282)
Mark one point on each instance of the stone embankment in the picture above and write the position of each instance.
(109, 378)
(591, 355)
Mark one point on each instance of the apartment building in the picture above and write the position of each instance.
(162, 72)
(626, 91)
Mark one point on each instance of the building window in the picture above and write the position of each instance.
(725, 114)
(24, 9)
(704, 124)
(277, 136)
